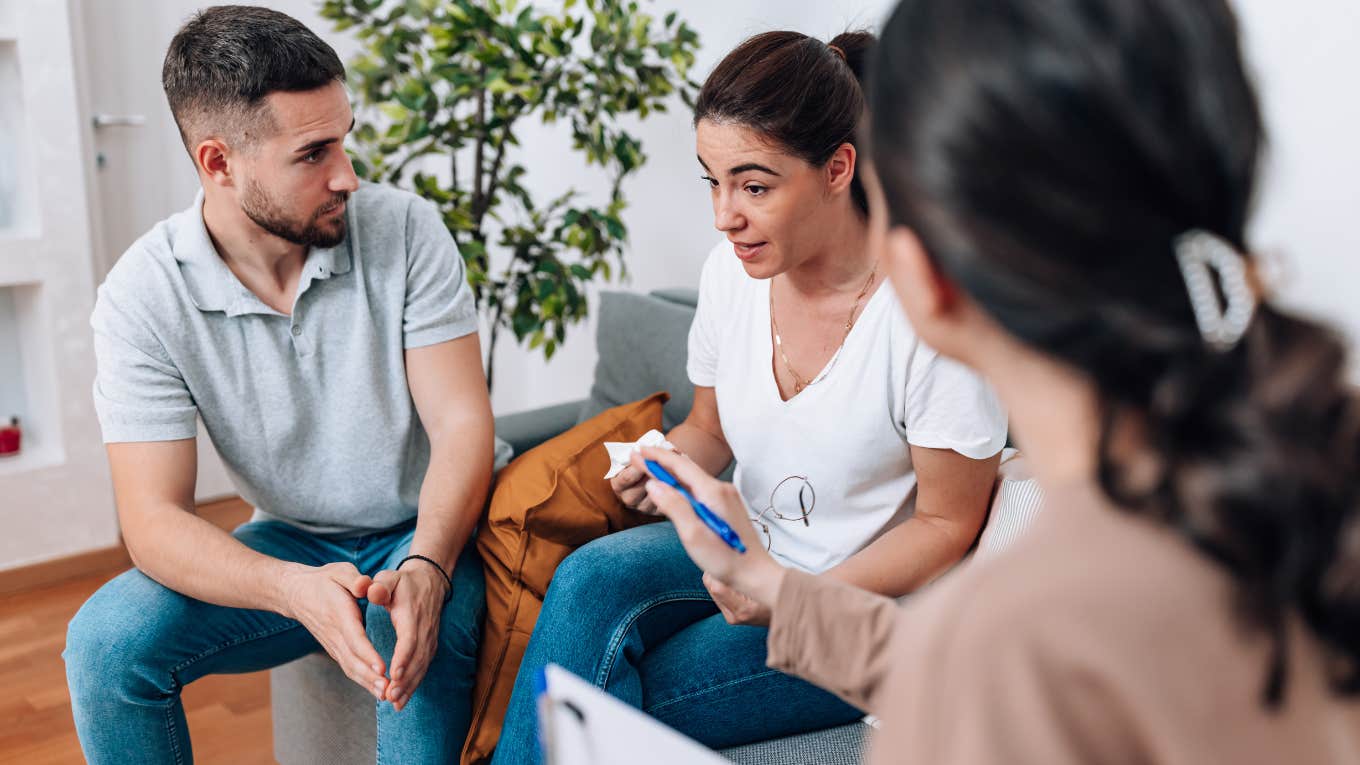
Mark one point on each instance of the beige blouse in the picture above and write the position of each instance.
(1100, 638)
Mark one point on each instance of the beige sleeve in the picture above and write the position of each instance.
(833, 635)
(956, 676)
(976, 681)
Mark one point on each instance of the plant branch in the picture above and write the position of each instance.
(429, 148)
(494, 178)
(481, 143)
(453, 172)
(495, 330)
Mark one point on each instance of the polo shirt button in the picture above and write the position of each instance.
(297, 330)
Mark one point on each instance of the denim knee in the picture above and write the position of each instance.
(112, 647)
(624, 569)
(582, 572)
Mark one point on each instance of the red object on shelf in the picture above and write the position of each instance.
(10, 438)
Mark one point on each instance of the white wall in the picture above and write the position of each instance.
(1306, 60)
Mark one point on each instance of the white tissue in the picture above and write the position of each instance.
(621, 451)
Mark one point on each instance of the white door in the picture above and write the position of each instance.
(55, 496)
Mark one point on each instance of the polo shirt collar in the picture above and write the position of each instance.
(330, 261)
(211, 284)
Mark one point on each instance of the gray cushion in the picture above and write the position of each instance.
(678, 295)
(525, 430)
(642, 342)
(843, 745)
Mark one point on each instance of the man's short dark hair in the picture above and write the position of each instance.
(226, 59)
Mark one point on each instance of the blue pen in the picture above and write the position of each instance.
(709, 518)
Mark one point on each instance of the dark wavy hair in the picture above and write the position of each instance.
(796, 91)
(1048, 153)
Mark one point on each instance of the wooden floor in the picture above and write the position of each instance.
(228, 714)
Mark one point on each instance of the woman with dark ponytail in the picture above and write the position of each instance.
(1065, 191)
(865, 455)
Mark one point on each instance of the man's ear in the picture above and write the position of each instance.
(840, 169)
(213, 160)
(930, 292)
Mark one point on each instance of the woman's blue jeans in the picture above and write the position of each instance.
(135, 644)
(629, 613)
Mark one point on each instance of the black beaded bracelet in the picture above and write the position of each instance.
(448, 593)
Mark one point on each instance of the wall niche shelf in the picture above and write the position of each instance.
(18, 190)
(27, 379)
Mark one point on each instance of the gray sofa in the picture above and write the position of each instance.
(320, 716)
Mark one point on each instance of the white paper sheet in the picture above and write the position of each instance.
(582, 725)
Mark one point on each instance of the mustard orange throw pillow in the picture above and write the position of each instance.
(547, 502)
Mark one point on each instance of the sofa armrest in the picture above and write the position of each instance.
(525, 430)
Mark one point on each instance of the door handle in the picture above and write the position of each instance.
(118, 120)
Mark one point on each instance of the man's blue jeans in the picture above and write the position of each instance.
(629, 613)
(135, 644)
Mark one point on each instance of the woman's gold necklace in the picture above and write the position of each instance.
(798, 383)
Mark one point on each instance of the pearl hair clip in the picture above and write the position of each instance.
(1200, 253)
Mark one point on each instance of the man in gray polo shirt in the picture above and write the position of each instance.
(324, 333)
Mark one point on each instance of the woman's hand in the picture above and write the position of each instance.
(754, 573)
(629, 487)
(735, 607)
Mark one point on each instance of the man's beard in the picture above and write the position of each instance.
(313, 232)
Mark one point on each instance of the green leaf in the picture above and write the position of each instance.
(473, 249)
(523, 323)
(394, 112)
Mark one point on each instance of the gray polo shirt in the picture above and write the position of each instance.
(311, 413)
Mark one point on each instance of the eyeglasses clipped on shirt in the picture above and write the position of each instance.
(792, 499)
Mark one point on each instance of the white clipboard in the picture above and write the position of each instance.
(579, 724)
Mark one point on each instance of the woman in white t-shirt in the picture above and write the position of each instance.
(863, 454)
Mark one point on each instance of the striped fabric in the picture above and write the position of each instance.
(1015, 505)
(843, 745)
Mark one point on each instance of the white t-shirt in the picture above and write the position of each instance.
(849, 433)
